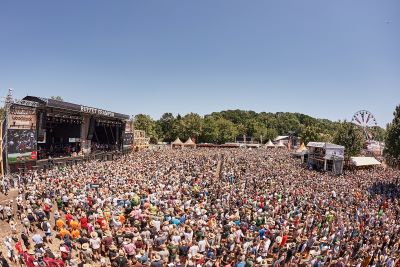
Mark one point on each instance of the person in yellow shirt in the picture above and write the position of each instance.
(107, 214)
(64, 232)
(60, 224)
(122, 218)
(75, 234)
(74, 225)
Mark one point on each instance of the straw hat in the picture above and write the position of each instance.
(157, 257)
(94, 234)
(113, 247)
(197, 256)
(85, 246)
(31, 252)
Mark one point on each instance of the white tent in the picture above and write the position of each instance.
(269, 144)
(280, 144)
(302, 148)
(190, 142)
(177, 142)
(364, 161)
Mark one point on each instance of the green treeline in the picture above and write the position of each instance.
(224, 126)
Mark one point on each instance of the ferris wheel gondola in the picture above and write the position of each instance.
(366, 120)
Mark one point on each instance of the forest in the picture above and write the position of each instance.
(224, 126)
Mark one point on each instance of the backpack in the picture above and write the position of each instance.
(45, 226)
(3, 262)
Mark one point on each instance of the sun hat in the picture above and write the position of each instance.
(94, 234)
(157, 257)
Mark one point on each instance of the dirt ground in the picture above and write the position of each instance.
(5, 230)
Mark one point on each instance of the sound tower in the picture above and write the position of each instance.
(92, 125)
(42, 127)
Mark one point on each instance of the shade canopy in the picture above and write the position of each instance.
(190, 142)
(177, 142)
(269, 144)
(280, 144)
(364, 161)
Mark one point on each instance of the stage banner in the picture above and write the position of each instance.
(21, 145)
(21, 117)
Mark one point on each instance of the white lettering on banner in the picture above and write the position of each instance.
(97, 111)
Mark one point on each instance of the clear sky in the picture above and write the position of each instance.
(327, 59)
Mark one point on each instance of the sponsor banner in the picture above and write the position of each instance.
(21, 117)
(337, 152)
(97, 111)
(22, 157)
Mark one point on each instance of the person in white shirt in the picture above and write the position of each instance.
(193, 250)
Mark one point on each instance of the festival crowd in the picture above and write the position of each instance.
(201, 207)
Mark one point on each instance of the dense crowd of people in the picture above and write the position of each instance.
(202, 207)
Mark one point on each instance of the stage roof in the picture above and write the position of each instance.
(51, 103)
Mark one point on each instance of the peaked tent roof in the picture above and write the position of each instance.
(269, 144)
(280, 144)
(190, 142)
(177, 142)
(301, 148)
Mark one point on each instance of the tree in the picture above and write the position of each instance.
(378, 133)
(351, 137)
(226, 131)
(59, 98)
(264, 133)
(310, 134)
(146, 123)
(210, 131)
(392, 140)
(192, 124)
(178, 128)
(166, 126)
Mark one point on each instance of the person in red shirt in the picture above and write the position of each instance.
(84, 223)
(29, 258)
(47, 210)
(90, 201)
(53, 262)
(100, 221)
(284, 240)
(68, 218)
(18, 247)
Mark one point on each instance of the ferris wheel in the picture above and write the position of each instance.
(366, 120)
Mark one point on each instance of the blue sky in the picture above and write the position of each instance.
(327, 59)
